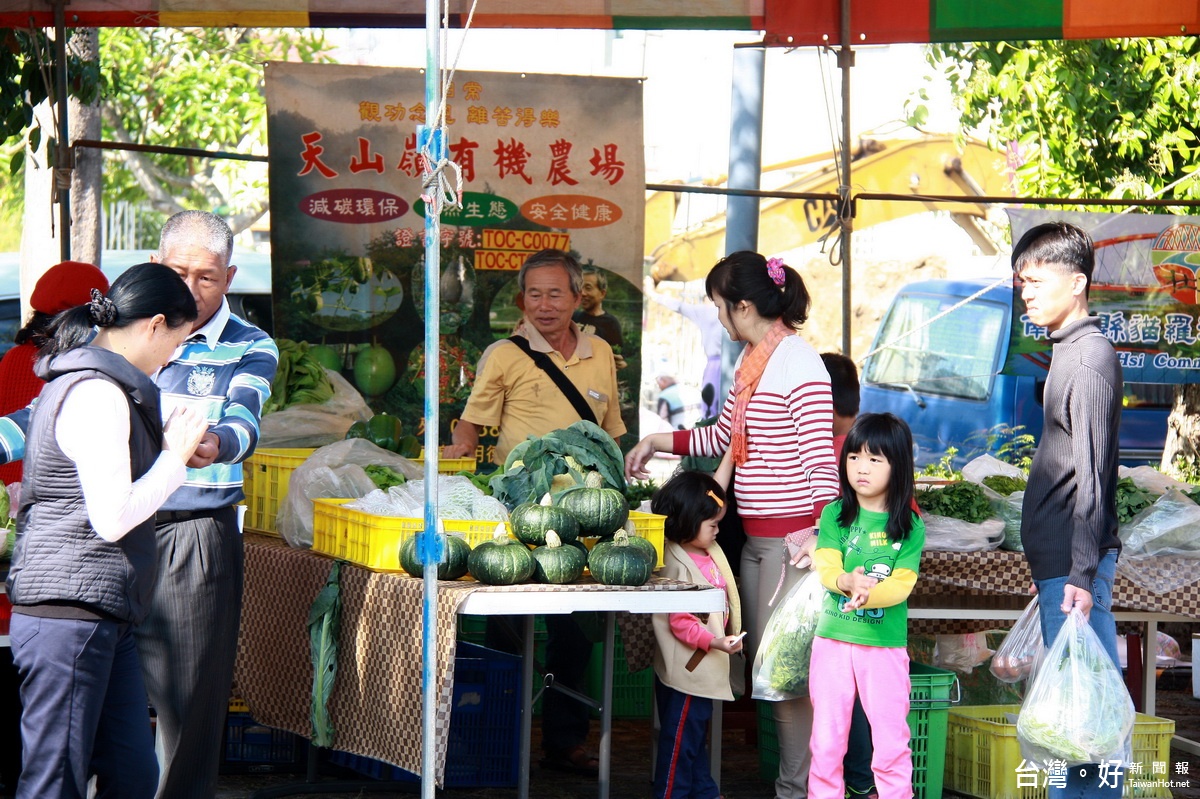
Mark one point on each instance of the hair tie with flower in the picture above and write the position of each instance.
(775, 271)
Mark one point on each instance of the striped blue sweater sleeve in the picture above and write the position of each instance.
(228, 384)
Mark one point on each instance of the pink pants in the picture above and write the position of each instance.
(880, 677)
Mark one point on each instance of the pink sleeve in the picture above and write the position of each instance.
(688, 629)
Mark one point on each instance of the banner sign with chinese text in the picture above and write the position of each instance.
(1143, 290)
(547, 161)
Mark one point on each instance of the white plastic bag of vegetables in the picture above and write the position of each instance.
(1017, 654)
(1078, 709)
(781, 666)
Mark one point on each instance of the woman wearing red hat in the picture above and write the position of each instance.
(63, 286)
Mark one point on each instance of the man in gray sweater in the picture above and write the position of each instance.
(1069, 515)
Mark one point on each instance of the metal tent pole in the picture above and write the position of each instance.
(846, 210)
(430, 550)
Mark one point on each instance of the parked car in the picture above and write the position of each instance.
(943, 376)
(249, 297)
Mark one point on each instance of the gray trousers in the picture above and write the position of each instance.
(762, 563)
(188, 644)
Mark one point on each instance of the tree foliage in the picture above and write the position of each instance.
(197, 88)
(1115, 118)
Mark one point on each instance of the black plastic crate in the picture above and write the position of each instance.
(252, 748)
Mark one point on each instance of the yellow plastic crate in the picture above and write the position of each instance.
(650, 527)
(374, 541)
(265, 477)
(449, 465)
(983, 754)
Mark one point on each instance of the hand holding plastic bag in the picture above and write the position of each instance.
(1077, 709)
(781, 666)
(1016, 656)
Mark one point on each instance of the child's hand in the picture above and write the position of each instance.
(857, 585)
(728, 643)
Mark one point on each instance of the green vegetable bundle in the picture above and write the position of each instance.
(965, 501)
(300, 379)
(556, 461)
(8, 526)
(1131, 500)
(781, 667)
(1004, 485)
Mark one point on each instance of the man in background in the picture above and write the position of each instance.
(591, 316)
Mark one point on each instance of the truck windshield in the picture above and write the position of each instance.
(953, 356)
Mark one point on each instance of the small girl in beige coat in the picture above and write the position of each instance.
(697, 658)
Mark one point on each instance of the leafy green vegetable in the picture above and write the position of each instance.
(531, 467)
(1131, 499)
(639, 491)
(789, 666)
(1003, 484)
(384, 476)
(965, 501)
(324, 621)
(300, 379)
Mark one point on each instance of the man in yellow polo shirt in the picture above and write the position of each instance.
(513, 392)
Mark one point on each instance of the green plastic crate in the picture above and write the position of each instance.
(632, 693)
(928, 716)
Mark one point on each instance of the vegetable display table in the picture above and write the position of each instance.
(375, 706)
(961, 592)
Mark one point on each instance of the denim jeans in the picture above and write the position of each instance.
(1084, 781)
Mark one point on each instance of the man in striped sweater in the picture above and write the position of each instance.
(1069, 515)
(188, 642)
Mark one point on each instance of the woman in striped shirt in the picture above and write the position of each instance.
(777, 425)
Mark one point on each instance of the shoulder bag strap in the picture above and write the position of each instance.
(543, 362)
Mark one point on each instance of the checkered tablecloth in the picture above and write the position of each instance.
(375, 707)
(1000, 579)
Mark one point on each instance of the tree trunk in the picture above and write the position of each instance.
(86, 186)
(1181, 452)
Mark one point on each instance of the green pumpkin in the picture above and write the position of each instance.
(644, 544)
(452, 566)
(502, 561)
(600, 511)
(531, 520)
(617, 563)
(556, 562)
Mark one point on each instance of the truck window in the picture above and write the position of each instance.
(953, 356)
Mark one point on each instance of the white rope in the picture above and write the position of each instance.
(441, 185)
(931, 320)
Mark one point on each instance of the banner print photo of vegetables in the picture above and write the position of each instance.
(1078, 709)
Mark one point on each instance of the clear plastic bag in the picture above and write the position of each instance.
(1078, 709)
(781, 667)
(315, 425)
(336, 471)
(1014, 660)
(955, 535)
(961, 652)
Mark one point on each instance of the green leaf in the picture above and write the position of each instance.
(324, 621)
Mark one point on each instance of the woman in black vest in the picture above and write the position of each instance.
(98, 464)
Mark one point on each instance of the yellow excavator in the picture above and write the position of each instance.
(929, 165)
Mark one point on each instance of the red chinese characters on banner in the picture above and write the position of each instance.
(311, 156)
(511, 159)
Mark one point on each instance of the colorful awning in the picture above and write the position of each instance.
(795, 22)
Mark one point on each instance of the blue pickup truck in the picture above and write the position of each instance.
(943, 376)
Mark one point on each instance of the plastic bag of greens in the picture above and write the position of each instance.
(781, 666)
(1014, 659)
(1077, 708)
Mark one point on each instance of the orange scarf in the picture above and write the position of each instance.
(746, 381)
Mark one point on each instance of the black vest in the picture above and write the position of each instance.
(58, 556)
